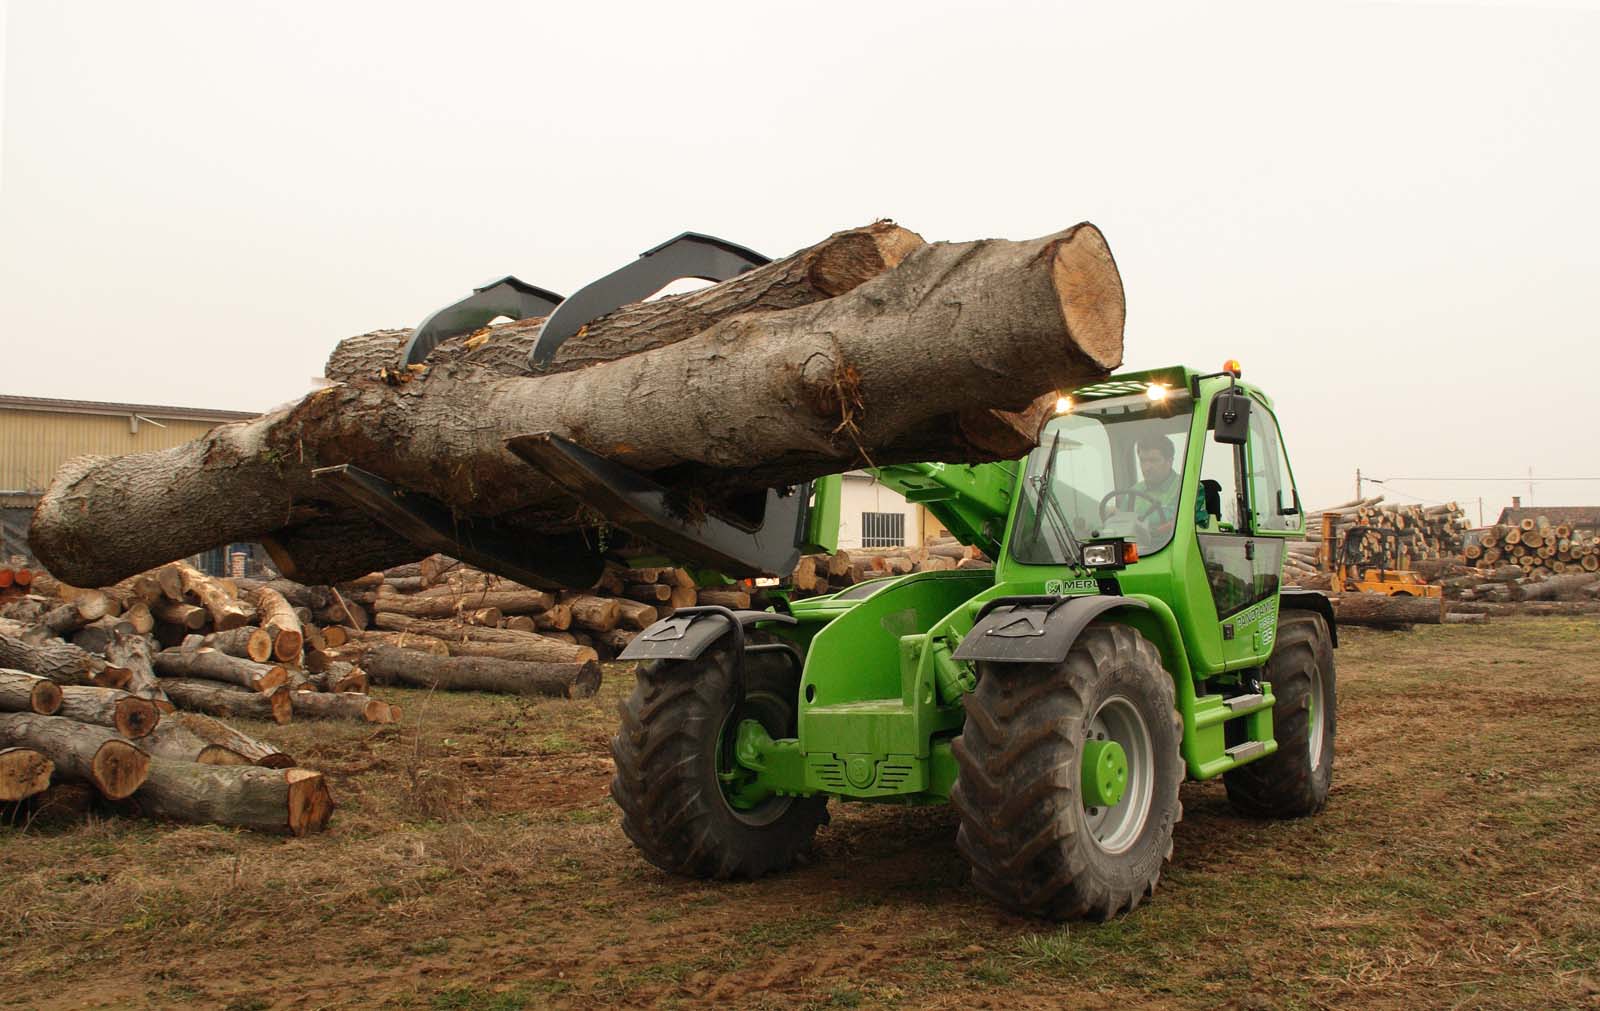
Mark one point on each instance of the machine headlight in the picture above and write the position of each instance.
(1101, 555)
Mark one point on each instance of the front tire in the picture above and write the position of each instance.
(668, 759)
(1035, 843)
(1294, 781)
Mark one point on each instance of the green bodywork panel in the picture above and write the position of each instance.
(881, 698)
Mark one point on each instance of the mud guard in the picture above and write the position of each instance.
(1034, 629)
(685, 637)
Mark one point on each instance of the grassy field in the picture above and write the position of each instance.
(475, 862)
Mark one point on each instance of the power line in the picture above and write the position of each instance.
(1536, 479)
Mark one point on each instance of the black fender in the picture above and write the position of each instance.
(685, 635)
(1310, 600)
(1034, 629)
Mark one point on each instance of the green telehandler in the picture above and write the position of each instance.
(1132, 631)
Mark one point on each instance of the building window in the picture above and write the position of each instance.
(883, 530)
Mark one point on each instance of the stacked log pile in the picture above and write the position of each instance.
(116, 688)
(1424, 533)
(829, 573)
(1537, 547)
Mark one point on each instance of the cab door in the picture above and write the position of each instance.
(1242, 567)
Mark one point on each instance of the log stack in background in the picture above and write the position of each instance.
(1536, 546)
(829, 573)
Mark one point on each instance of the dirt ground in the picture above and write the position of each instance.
(475, 862)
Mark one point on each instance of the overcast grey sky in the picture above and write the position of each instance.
(1387, 211)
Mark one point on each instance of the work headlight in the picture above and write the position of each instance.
(1110, 554)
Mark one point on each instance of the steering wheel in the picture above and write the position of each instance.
(1118, 493)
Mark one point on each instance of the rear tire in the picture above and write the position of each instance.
(667, 754)
(1025, 830)
(1294, 781)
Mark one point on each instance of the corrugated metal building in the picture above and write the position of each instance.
(38, 435)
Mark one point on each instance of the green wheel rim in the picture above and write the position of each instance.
(1116, 827)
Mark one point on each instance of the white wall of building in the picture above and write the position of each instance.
(863, 494)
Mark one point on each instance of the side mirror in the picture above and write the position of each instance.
(1230, 418)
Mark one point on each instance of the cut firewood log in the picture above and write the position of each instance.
(215, 665)
(635, 615)
(143, 588)
(226, 612)
(76, 613)
(21, 692)
(341, 610)
(128, 715)
(61, 662)
(343, 706)
(286, 801)
(217, 699)
(82, 751)
(490, 617)
(497, 643)
(885, 371)
(297, 594)
(598, 614)
(520, 623)
(341, 676)
(1380, 610)
(135, 654)
(95, 636)
(23, 773)
(279, 620)
(222, 735)
(250, 642)
(469, 673)
(617, 639)
(448, 604)
(187, 616)
(735, 599)
(557, 619)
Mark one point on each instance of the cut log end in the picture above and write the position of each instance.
(135, 717)
(118, 769)
(23, 773)
(310, 801)
(1090, 291)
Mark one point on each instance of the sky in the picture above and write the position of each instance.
(1386, 211)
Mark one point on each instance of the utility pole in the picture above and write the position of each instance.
(1358, 484)
(1480, 510)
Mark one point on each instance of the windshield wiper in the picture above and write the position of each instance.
(1058, 521)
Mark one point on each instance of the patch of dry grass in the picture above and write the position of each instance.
(475, 862)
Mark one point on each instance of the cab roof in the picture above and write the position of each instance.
(1174, 377)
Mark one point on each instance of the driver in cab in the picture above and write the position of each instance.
(1156, 504)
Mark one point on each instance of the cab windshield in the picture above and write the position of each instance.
(1110, 468)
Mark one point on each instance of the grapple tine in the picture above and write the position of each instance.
(508, 297)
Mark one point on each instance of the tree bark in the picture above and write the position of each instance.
(214, 665)
(956, 354)
(464, 673)
(216, 733)
(61, 662)
(23, 773)
(128, 715)
(80, 751)
(21, 692)
(288, 801)
(134, 654)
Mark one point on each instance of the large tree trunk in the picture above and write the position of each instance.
(293, 801)
(920, 363)
(468, 673)
(1379, 610)
(81, 751)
